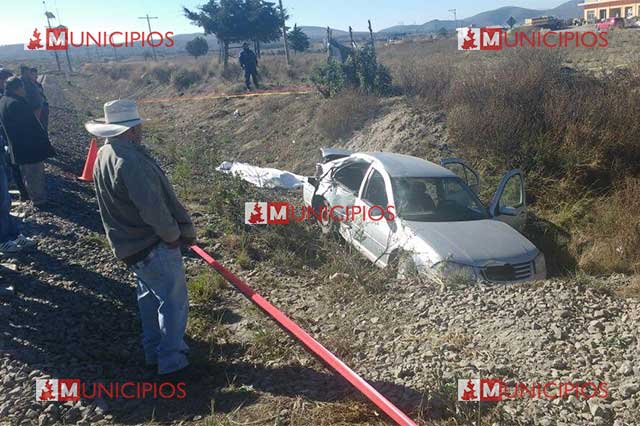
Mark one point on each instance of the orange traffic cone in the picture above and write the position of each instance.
(87, 173)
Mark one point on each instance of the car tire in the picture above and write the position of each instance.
(327, 226)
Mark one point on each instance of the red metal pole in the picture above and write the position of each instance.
(309, 342)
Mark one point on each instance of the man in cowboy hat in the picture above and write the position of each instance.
(249, 63)
(145, 225)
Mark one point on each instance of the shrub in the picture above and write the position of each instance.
(161, 73)
(117, 71)
(614, 234)
(428, 78)
(530, 112)
(360, 71)
(572, 134)
(233, 72)
(330, 79)
(182, 78)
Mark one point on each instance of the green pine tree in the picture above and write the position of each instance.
(298, 40)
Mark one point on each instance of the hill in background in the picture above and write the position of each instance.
(499, 16)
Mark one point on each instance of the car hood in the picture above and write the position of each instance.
(477, 243)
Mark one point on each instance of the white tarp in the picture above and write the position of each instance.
(262, 177)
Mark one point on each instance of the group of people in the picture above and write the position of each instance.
(145, 223)
(24, 145)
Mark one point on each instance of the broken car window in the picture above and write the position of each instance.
(351, 176)
(436, 200)
(376, 193)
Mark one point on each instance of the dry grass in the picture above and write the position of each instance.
(342, 115)
(188, 73)
(615, 232)
(570, 130)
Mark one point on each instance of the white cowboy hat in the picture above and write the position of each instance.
(119, 116)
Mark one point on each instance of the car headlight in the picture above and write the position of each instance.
(452, 271)
(540, 264)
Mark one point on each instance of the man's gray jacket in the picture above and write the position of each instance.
(137, 203)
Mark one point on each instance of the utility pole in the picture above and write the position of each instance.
(284, 33)
(66, 51)
(455, 16)
(149, 18)
(49, 15)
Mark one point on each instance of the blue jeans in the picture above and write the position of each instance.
(164, 307)
(9, 228)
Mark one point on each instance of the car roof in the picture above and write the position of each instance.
(398, 165)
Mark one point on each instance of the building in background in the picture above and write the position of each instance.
(595, 10)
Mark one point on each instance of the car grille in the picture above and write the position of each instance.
(515, 272)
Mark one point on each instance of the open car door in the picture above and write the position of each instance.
(464, 172)
(509, 204)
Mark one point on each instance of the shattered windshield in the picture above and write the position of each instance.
(436, 200)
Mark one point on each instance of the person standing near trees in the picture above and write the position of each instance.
(249, 63)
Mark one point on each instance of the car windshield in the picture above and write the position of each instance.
(448, 199)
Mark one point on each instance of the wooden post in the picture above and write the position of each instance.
(353, 44)
(328, 43)
(373, 43)
(225, 54)
(284, 34)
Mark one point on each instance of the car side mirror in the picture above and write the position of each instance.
(313, 181)
(508, 211)
(475, 188)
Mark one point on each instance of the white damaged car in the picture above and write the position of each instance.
(439, 227)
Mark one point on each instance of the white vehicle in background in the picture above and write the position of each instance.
(440, 229)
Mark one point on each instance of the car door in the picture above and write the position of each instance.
(464, 172)
(345, 185)
(509, 203)
(378, 227)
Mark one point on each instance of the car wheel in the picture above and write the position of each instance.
(327, 226)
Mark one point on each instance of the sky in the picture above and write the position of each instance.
(20, 19)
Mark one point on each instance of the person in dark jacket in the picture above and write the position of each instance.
(249, 63)
(44, 111)
(28, 142)
(11, 240)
